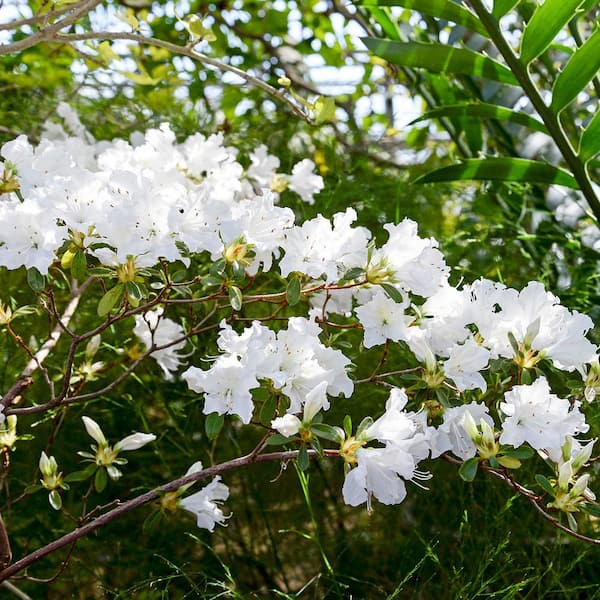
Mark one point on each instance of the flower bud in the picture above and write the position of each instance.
(134, 441)
(94, 431)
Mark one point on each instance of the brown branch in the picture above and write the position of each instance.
(146, 498)
(40, 356)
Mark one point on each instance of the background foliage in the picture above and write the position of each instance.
(454, 540)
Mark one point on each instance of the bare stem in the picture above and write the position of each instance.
(146, 498)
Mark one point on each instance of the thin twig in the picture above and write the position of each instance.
(146, 498)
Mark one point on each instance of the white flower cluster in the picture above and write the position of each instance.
(142, 199)
(294, 361)
(148, 198)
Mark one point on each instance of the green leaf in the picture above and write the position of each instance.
(293, 291)
(549, 18)
(36, 281)
(324, 108)
(55, 500)
(501, 7)
(102, 272)
(441, 9)
(468, 469)
(353, 273)
(322, 430)
(348, 425)
(278, 440)
(502, 169)
(545, 484)
(592, 509)
(79, 266)
(578, 72)
(134, 293)
(482, 110)
(100, 480)
(267, 412)
(522, 452)
(439, 58)
(110, 299)
(235, 297)
(382, 17)
(82, 475)
(213, 425)
(589, 145)
(303, 459)
(392, 292)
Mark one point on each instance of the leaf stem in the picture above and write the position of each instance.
(550, 119)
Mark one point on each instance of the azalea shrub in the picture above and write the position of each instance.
(182, 258)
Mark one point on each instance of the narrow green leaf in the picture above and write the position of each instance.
(382, 17)
(392, 292)
(82, 475)
(348, 425)
(441, 9)
(55, 500)
(134, 293)
(501, 7)
(548, 19)
(79, 265)
(363, 426)
(482, 110)
(293, 291)
(353, 273)
(439, 58)
(589, 145)
(235, 297)
(303, 459)
(578, 72)
(102, 272)
(36, 281)
(213, 425)
(152, 521)
(110, 299)
(267, 412)
(522, 452)
(592, 509)
(100, 480)
(468, 469)
(278, 440)
(322, 430)
(502, 169)
(545, 484)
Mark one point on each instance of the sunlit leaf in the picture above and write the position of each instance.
(441, 9)
(482, 110)
(110, 299)
(549, 18)
(502, 169)
(440, 58)
(578, 72)
(501, 7)
(589, 145)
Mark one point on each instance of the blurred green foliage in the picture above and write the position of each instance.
(455, 540)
